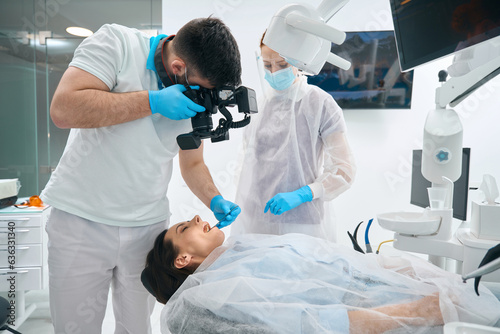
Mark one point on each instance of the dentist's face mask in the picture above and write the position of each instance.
(281, 79)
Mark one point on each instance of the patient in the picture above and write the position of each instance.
(177, 253)
(300, 284)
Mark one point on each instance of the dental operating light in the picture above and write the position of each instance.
(299, 33)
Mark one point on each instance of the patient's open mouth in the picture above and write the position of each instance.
(206, 228)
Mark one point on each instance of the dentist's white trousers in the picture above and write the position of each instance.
(86, 258)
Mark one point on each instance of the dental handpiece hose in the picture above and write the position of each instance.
(486, 269)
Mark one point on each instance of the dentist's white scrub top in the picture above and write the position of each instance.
(118, 175)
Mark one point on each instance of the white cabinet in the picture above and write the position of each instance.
(23, 257)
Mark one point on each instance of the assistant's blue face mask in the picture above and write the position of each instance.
(281, 79)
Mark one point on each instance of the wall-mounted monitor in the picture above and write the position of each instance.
(374, 80)
(428, 29)
(419, 185)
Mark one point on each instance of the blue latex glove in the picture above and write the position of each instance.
(283, 202)
(223, 211)
(172, 103)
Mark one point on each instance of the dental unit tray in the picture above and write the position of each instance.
(410, 223)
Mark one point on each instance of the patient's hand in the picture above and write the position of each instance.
(428, 309)
(422, 312)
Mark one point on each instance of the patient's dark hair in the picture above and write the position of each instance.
(208, 45)
(160, 276)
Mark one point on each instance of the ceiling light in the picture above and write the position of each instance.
(79, 31)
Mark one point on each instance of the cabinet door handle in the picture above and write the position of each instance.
(15, 220)
(17, 248)
(17, 231)
(14, 273)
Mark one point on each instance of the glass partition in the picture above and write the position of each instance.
(35, 50)
(18, 132)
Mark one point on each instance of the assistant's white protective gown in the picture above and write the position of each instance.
(296, 139)
(295, 283)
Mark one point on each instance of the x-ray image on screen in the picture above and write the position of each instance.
(374, 80)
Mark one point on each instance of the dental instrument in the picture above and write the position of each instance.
(486, 269)
(354, 237)
(219, 224)
(380, 245)
(367, 241)
(489, 263)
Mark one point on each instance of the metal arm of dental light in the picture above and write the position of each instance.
(456, 89)
(299, 33)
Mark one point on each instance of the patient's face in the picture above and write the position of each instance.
(195, 237)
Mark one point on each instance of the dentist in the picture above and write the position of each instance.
(122, 96)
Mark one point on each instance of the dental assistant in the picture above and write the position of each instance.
(296, 157)
(122, 96)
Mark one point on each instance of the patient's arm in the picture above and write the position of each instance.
(423, 312)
